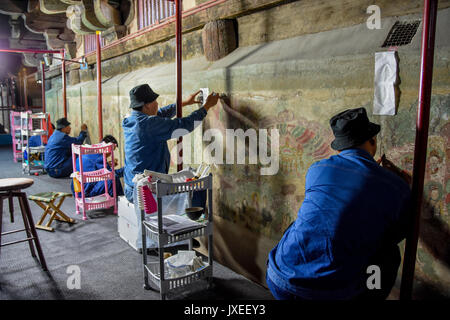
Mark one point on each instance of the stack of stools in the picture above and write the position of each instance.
(10, 188)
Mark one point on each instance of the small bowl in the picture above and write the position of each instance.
(194, 213)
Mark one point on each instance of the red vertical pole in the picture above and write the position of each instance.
(43, 86)
(25, 90)
(63, 77)
(19, 84)
(178, 35)
(420, 151)
(99, 87)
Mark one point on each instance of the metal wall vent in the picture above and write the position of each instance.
(401, 33)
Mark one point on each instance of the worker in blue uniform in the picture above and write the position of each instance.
(93, 162)
(58, 151)
(354, 214)
(147, 129)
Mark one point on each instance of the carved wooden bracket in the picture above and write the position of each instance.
(219, 39)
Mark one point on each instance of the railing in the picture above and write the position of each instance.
(152, 12)
(142, 29)
(90, 43)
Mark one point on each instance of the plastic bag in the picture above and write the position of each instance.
(183, 263)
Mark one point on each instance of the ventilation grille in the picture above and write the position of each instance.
(401, 34)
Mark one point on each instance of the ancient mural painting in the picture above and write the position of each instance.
(269, 203)
(433, 255)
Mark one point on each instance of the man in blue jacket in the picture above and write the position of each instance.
(147, 130)
(58, 151)
(353, 216)
(93, 162)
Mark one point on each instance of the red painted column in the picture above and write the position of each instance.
(63, 77)
(99, 87)
(178, 37)
(420, 151)
(19, 84)
(25, 90)
(43, 86)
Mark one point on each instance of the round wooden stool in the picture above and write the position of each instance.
(10, 188)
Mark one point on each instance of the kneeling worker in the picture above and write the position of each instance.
(354, 214)
(58, 151)
(147, 130)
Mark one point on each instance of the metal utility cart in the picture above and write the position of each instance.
(82, 177)
(152, 270)
(28, 130)
(16, 126)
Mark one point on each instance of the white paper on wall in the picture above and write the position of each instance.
(385, 78)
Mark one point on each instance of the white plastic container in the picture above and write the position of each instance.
(128, 224)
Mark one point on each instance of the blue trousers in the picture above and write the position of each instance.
(64, 170)
(388, 259)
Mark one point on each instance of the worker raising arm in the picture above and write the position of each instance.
(147, 130)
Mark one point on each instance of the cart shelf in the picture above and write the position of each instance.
(91, 149)
(95, 176)
(165, 188)
(97, 202)
(39, 115)
(153, 269)
(37, 149)
(204, 230)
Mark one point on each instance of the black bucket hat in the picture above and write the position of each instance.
(352, 128)
(141, 95)
(62, 123)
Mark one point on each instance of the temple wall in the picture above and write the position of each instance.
(295, 67)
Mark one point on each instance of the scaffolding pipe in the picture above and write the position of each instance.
(420, 150)
(63, 77)
(43, 86)
(28, 51)
(99, 86)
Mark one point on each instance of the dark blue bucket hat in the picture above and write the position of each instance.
(141, 95)
(62, 123)
(352, 128)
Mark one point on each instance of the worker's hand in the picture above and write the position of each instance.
(389, 165)
(83, 127)
(211, 101)
(191, 99)
(115, 163)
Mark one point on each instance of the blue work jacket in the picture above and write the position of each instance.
(352, 209)
(59, 148)
(146, 139)
(35, 141)
(93, 162)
